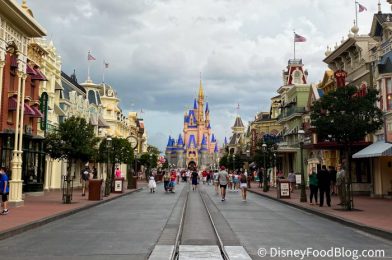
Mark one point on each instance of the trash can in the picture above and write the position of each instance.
(283, 190)
(132, 182)
(119, 186)
(95, 189)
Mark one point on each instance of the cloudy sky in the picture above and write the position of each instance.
(157, 49)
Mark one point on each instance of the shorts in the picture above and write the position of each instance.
(4, 197)
(194, 181)
(243, 185)
(223, 186)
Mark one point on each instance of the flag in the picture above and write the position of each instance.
(361, 8)
(90, 57)
(299, 38)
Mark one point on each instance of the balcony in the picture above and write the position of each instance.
(290, 112)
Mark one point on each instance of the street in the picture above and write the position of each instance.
(129, 228)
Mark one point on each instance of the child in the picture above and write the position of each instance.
(4, 190)
(152, 184)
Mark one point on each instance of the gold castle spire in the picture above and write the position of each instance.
(201, 92)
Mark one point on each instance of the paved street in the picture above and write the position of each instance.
(129, 227)
(126, 228)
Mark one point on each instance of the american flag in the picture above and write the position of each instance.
(299, 38)
(361, 8)
(90, 57)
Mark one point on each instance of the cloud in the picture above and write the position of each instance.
(157, 48)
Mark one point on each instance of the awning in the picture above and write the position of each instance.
(377, 149)
(93, 120)
(58, 110)
(39, 76)
(28, 111)
(102, 122)
(30, 70)
(58, 86)
(12, 103)
(37, 113)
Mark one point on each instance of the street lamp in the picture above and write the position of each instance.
(301, 135)
(108, 182)
(265, 182)
(233, 161)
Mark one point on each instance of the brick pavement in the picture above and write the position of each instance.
(373, 213)
(41, 209)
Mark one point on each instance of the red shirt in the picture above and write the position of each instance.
(173, 176)
(204, 173)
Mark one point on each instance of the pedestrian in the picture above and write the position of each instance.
(236, 181)
(216, 181)
(195, 178)
(313, 185)
(204, 175)
(118, 173)
(324, 182)
(223, 179)
(84, 177)
(292, 179)
(166, 181)
(94, 172)
(341, 184)
(173, 178)
(178, 176)
(151, 183)
(4, 190)
(230, 180)
(332, 175)
(209, 173)
(243, 185)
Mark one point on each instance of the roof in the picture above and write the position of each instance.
(213, 139)
(195, 104)
(180, 141)
(73, 82)
(204, 140)
(216, 148)
(235, 139)
(238, 122)
(378, 20)
(377, 149)
(207, 109)
(192, 141)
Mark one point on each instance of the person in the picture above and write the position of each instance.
(341, 184)
(332, 175)
(166, 181)
(118, 173)
(204, 174)
(243, 185)
(151, 183)
(94, 172)
(313, 185)
(173, 179)
(187, 175)
(223, 179)
(236, 181)
(216, 182)
(292, 179)
(230, 183)
(178, 176)
(324, 185)
(195, 178)
(84, 177)
(4, 190)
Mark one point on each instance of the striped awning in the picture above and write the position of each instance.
(377, 149)
(37, 112)
(28, 111)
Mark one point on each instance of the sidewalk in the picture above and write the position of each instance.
(42, 209)
(369, 214)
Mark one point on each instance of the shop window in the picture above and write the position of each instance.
(389, 93)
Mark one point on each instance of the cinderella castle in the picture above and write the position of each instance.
(198, 145)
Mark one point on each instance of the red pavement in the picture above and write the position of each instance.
(40, 207)
(372, 212)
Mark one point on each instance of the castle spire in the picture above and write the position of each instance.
(201, 92)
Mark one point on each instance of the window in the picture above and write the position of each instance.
(388, 84)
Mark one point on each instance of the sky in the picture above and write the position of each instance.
(158, 48)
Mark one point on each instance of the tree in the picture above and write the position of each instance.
(72, 140)
(347, 116)
(223, 161)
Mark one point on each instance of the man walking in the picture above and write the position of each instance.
(84, 177)
(223, 179)
(4, 190)
(324, 183)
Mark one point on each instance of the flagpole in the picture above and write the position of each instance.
(294, 44)
(356, 13)
(103, 72)
(88, 66)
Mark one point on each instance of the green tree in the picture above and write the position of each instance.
(223, 161)
(72, 140)
(347, 116)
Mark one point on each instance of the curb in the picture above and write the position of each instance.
(371, 230)
(32, 225)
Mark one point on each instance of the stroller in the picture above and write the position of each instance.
(169, 187)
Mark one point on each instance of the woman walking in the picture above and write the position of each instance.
(216, 181)
(243, 185)
(313, 185)
(195, 178)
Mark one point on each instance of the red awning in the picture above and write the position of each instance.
(12, 103)
(39, 75)
(37, 112)
(30, 71)
(28, 111)
(14, 61)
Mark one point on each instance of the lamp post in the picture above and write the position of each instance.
(108, 182)
(265, 181)
(301, 135)
(233, 161)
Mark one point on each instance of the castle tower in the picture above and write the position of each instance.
(180, 152)
(204, 153)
